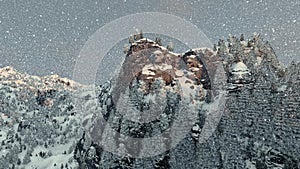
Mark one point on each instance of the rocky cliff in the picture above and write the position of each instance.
(259, 127)
(53, 122)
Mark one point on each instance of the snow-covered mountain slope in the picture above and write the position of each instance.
(13, 78)
(54, 122)
(39, 127)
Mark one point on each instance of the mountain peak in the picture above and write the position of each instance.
(13, 78)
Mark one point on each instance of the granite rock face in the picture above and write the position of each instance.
(53, 122)
(259, 128)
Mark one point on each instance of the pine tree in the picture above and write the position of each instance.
(222, 46)
(158, 41)
(26, 159)
(170, 46)
(138, 36)
(215, 47)
(131, 39)
(126, 49)
(242, 37)
(141, 35)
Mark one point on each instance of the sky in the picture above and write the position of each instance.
(45, 37)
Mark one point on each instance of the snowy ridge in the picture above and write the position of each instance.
(39, 127)
(54, 122)
(10, 76)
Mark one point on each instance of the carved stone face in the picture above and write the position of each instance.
(157, 57)
(192, 62)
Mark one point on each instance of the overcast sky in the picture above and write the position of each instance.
(44, 37)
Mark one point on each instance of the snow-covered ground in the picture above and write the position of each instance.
(39, 127)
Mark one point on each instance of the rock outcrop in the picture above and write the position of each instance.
(259, 127)
(55, 122)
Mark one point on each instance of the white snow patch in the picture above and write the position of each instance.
(188, 92)
(157, 52)
(194, 69)
(148, 71)
(57, 157)
(259, 60)
(192, 56)
(179, 73)
(239, 69)
(240, 66)
(282, 88)
(244, 43)
(3, 135)
(150, 68)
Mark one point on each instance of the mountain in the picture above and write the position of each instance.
(233, 106)
(39, 126)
